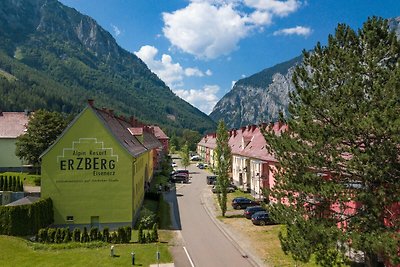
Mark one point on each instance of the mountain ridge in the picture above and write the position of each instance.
(64, 58)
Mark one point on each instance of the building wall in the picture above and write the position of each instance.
(8, 159)
(89, 176)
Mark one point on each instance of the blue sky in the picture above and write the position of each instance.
(199, 48)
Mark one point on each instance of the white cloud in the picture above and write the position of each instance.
(279, 8)
(298, 30)
(168, 71)
(208, 29)
(204, 99)
(116, 30)
(208, 72)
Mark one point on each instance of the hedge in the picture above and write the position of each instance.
(26, 219)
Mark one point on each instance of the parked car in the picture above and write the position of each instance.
(249, 211)
(200, 165)
(260, 218)
(182, 172)
(173, 164)
(242, 203)
(195, 158)
(229, 189)
(179, 178)
(211, 179)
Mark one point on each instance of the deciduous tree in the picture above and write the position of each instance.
(340, 168)
(43, 129)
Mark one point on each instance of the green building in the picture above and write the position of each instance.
(97, 170)
(12, 125)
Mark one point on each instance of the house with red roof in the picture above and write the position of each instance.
(252, 165)
(12, 125)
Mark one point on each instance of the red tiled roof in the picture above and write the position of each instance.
(13, 124)
(119, 128)
(159, 133)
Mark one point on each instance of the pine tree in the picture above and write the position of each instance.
(1, 182)
(5, 185)
(223, 157)
(342, 149)
(9, 183)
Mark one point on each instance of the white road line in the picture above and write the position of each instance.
(187, 254)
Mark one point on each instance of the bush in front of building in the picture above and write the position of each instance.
(11, 183)
(63, 235)
(26, 219)
(147, 236)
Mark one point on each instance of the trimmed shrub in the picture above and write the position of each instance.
(128, 231)
(141, 237)
(76, 235)
(155, 233)
(114, 238)
(94, 234)
(67, 235)
(85, 235)
(51, 234)
(42, 235)
(106, 235)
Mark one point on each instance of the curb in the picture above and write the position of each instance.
(245, 254)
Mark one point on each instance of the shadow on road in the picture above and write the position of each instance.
(171, 198)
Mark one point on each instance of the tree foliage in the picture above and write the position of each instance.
(223, 158)
(340, 157)
(43, 129)
(185, 156)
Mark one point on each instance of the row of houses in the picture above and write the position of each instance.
(98, 169)
(252, 165)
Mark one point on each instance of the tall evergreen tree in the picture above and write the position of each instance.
(223, 158)
(340, 157)
(43, 129)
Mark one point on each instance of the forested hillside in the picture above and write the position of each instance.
(55, 58)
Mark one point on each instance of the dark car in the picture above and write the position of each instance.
(260, 218)
(211, 179)
(179, 178)
(249, 211)
(242, 203)
(229, 189)
(182, 172)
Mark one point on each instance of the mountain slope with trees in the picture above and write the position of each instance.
(52, 57)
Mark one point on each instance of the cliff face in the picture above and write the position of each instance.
(66, 57)
(260, 97)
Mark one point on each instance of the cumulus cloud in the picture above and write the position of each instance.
(116, 30)
(208, 29)
(298, 30)
(204, 99)
(168, 71)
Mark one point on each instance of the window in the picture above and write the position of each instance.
(70, 218)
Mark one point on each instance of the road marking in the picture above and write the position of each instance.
(187, 254)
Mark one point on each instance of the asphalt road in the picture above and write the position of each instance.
(201, 241)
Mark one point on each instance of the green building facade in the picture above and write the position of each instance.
(95, 172)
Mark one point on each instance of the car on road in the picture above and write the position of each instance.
(200, 165)
(179, 178)
(260, 218)
(211, 179)
(249, 211)
(182, 172)
(242, 203)
(173, 164)
(229, 189)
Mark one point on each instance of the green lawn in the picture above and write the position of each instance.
(16, 252)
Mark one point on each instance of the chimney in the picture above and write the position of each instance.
(90, 102)
(234, 132)
(243, 129)
(1, 113)
(253, 127)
